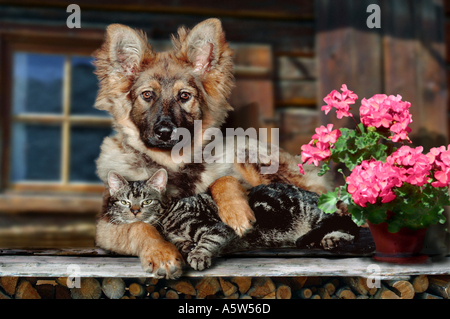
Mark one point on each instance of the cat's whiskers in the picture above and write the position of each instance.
(158, 221)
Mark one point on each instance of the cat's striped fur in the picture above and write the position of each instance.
(193, 224)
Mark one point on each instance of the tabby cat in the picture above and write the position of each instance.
(193, 225)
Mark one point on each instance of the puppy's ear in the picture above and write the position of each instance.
(122, 52)
(204, 47)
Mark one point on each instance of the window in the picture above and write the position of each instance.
(55, 130)
(50, 136)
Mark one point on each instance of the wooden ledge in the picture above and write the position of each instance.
(351, 260)
(58, 266)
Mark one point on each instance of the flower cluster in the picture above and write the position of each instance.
(341, 102)
(414, 165)
(389, 112)
(381, 112)
(319, 149)
(411, 185)
(439, 158)
(371, 180)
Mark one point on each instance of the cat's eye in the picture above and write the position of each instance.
(125, 203)
(147, 202)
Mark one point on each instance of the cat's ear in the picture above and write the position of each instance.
(158, 180)
(115, 182)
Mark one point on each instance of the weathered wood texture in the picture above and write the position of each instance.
(297, 9)
(347, 51)
(447, 55)
(48, 266)
(414, 55)
(405, 56)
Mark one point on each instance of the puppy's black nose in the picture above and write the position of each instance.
(164, 131)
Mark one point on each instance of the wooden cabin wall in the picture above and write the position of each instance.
(406, 56)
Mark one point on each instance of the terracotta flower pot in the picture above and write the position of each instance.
(403, 247)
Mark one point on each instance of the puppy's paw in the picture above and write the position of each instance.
(162, 259)
(238, 216)
(231, 199)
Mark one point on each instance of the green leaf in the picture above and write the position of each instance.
(394, 227)
(328, 201)
(361, 142)
(358, 215)
(345, 196)
(377, 216)
(325, 168)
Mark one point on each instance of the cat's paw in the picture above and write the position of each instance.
(336, 239)
(162, 259)
(199, 260)
(185, 248)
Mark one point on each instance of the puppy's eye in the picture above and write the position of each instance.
(185, 96)
(147, 96)
(125, 203)
(147, 202)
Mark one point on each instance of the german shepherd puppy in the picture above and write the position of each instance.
(151, 95)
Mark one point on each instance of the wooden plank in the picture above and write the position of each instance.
(296, 68)
(287, 36)
(348, 52)
(254, 55)
(432, 77)
(257, 61)
(287, 9)
(414, 54)
(447, 7)
(45, 266)
(296, 93)
(447, 40)
(297, 126)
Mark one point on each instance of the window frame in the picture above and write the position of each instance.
(45, 196)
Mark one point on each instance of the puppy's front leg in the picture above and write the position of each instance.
(157, 256)
(231, 199)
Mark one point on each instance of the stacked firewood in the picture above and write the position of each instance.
(414, 287)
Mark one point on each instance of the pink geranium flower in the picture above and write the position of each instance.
(414, 165)
(340, 101)
(313, 154)
(389, 112)
(439, 159)
(326, 134)
(372, 180)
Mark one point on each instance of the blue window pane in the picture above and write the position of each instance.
(84, 87)
(37, 83)
(35, 153)
(84, 150)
